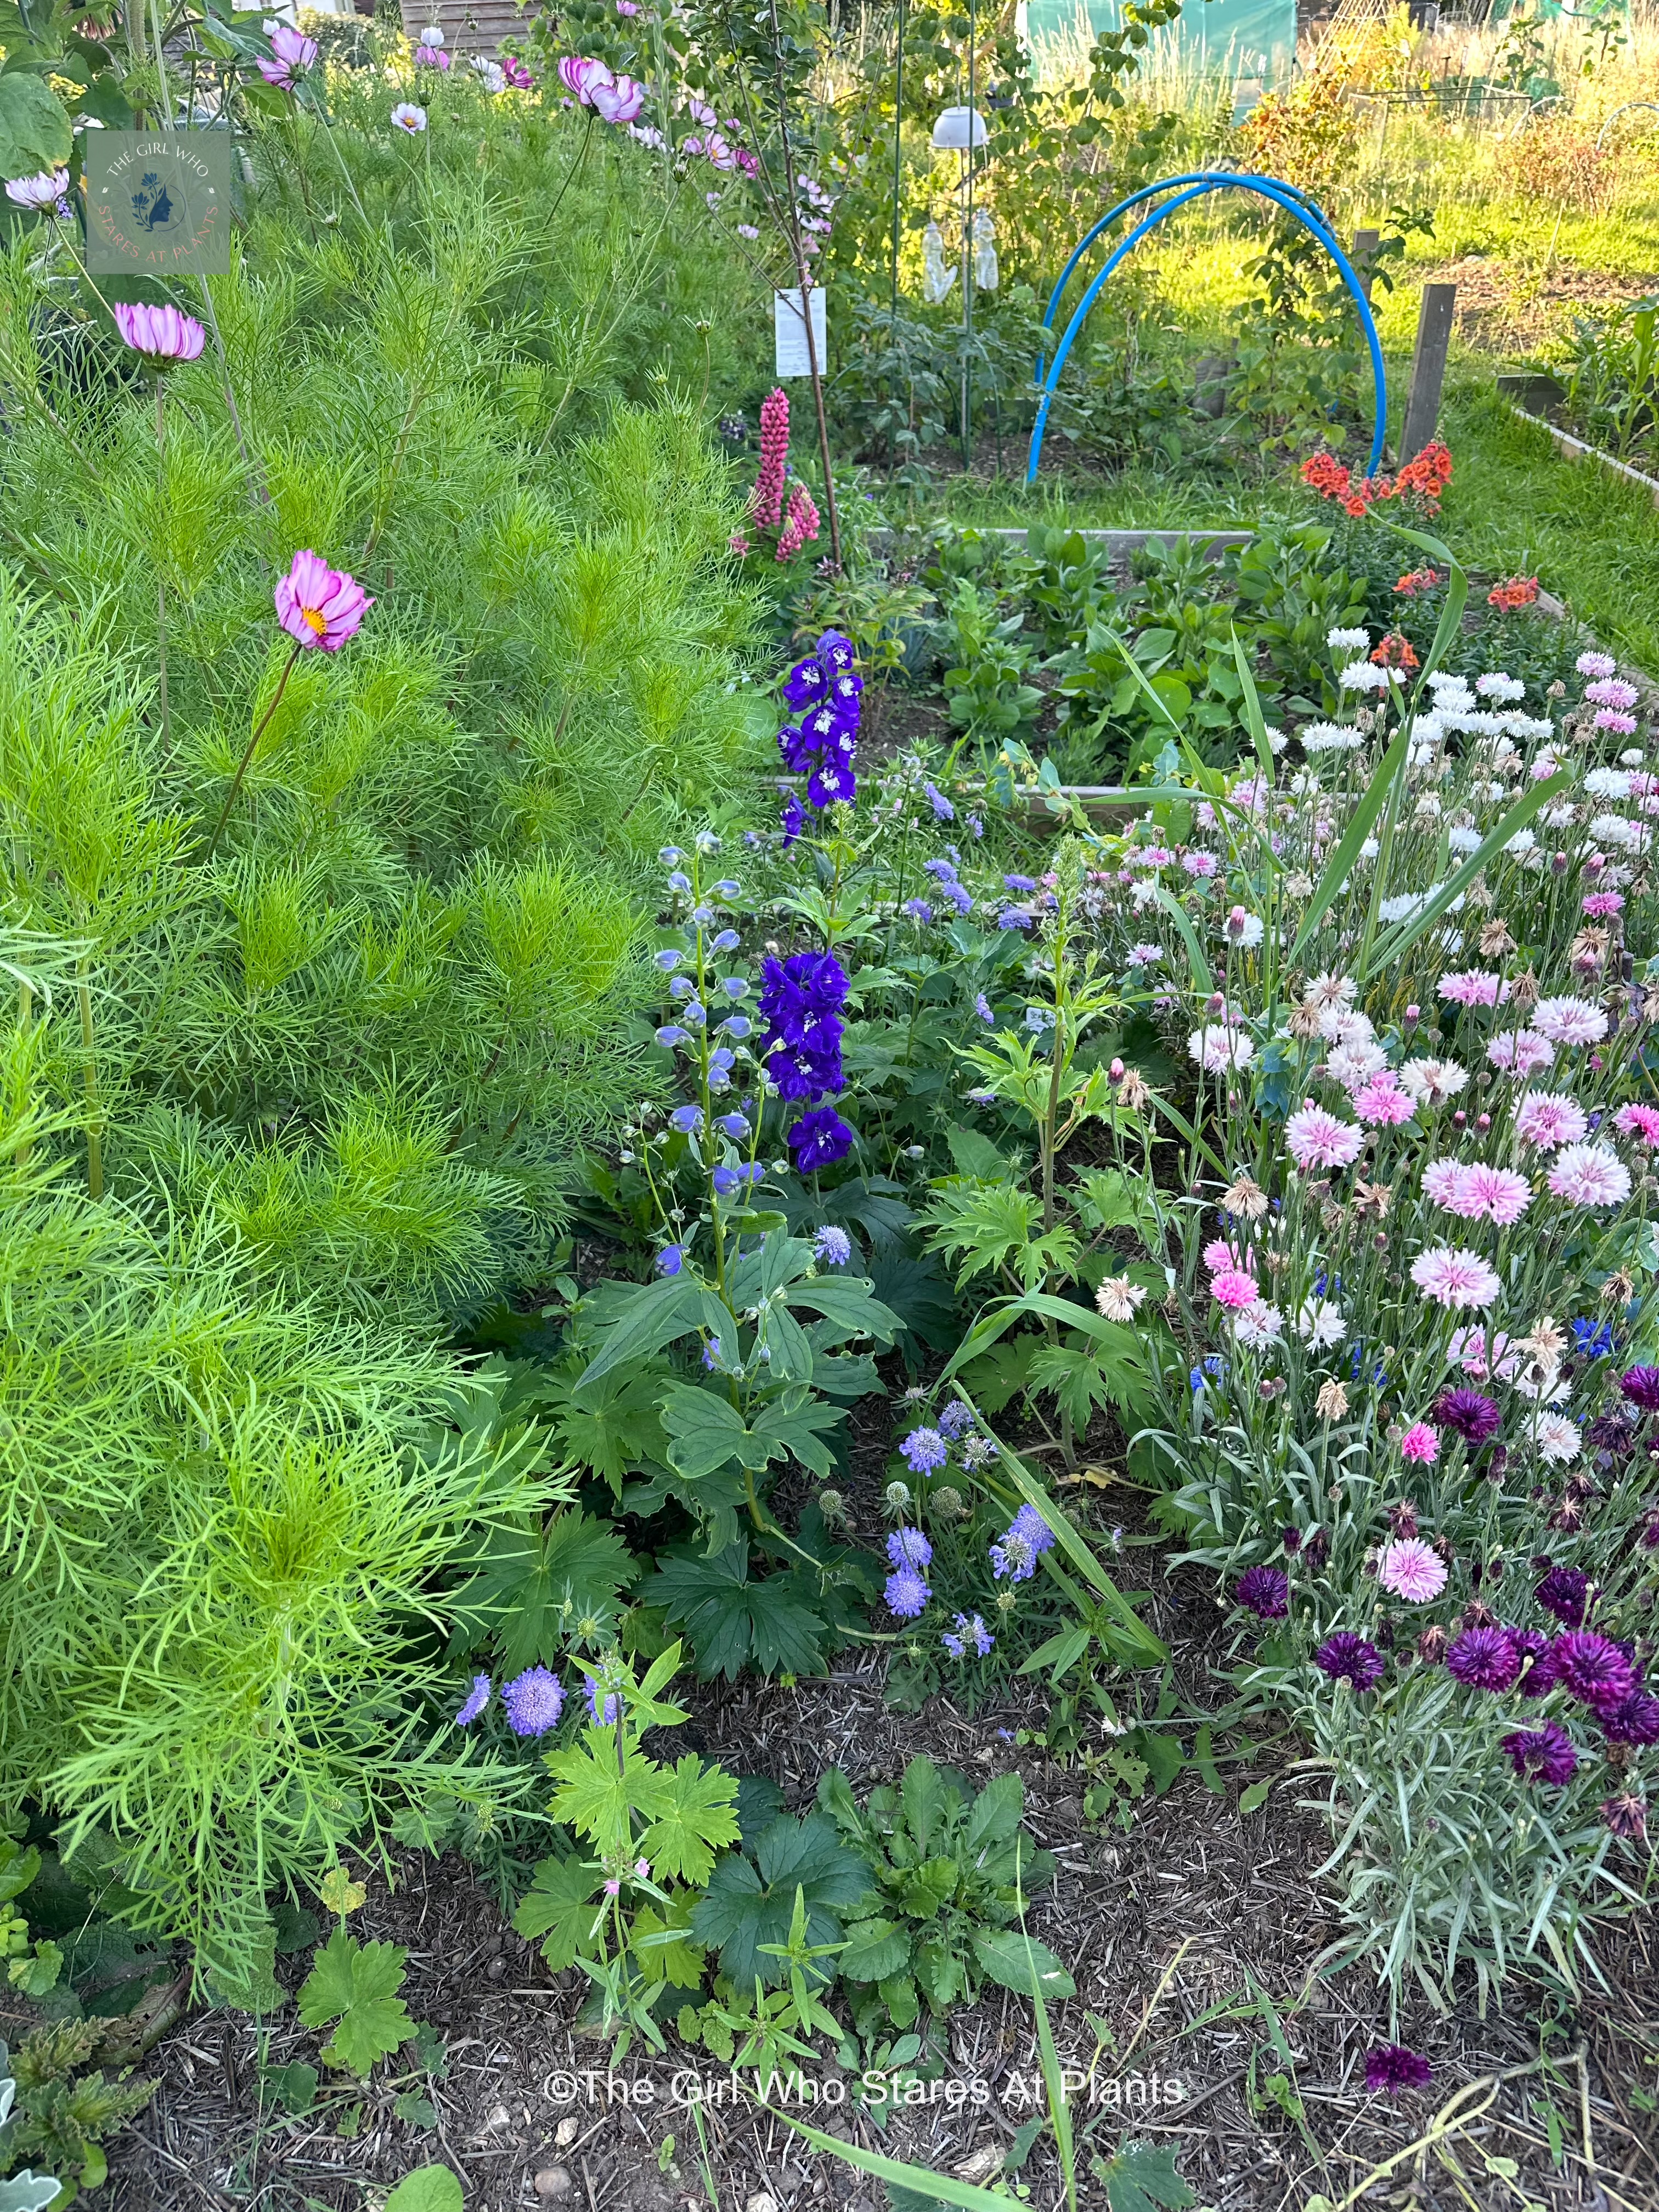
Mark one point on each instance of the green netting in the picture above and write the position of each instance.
(1252, 41)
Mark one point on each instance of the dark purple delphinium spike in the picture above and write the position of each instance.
(1593, 1669)
(1542, 1754)
(1641, 1386)
(1349, 1657)
(1393, 2068)
(1562, 1592)
(1484, 1659)
(1472, 1415)
(1636, 1721)
(820, 1139)
(1537, 1657)
(1266, 1591)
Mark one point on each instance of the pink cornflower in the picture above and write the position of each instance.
(161, 335)
(1219, 1255)
(1519, 1052)
(1453, 1276)
(1595, 664)
(1619, 726)
(1638, 1121)
(1498, 1195)
(319, 607)
(1568, 1021)
(1234, 1289)
(1589, 1174)
(1549, 1118)
(1411, 1570)
(1383, 1105)
(1420, 1442)
(1199, 864)
(1469, 1349)
(1446, 1184)
(1601, 906)
(1314, 1138)
(1473, 987)
(1611, 691)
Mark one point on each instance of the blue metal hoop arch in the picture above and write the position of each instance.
(1294, 202)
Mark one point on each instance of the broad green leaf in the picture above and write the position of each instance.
(1020, 1963)
(705, 1431)
(558, 1909)
(34, 129)
(645, 1323)
(1253, 1799)
(595, 1797)
(730, 1620)
(850, 1305)
(750, 1903)
(428, 2189)
(1142, 2177)
(18, 1866)
(294, 2085)
(875, 1949)
(794, 1433)
(355, 1985)
(529, 1574)
(697, 1819)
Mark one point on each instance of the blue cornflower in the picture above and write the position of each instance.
(906, 1594)
(687, 1120)
(924, 1448)
(671, 1033)
(534, 1701)
(477, 1698)
(832, 1246)
(668, 960)
(909, 1547)
(1593, 1339)
(728, 1179)
(969, 1629)
(918, 910)
(982, 1008)
(943, 810)
(670, 1259)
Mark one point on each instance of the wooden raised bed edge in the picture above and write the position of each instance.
(1576, 449)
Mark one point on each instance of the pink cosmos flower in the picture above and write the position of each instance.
(1314, 1138)
(162, 335)
(1601, 906)
(48, 189)
(319, 607)
(292, 55)
(1473, 987)
(1520, 1052)
(619, 101)
(1234, 1289)
(1453, 1276)
(1382, 1104)
(1411, 1570)
(1420, 1442)
(1549, 1118)
(1498, 1194)
(1568, 1021)
(1638, 1121)
(1589, 1174)
(721, 151)
(430, 56)
(580, 75)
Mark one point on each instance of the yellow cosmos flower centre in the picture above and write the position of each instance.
(315, 620)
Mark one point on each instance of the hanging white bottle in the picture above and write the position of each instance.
(936, 277)
(985, 251)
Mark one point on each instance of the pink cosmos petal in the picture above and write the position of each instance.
(319, 606)
(162, 335)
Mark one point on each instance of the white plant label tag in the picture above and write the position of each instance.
(789, 333)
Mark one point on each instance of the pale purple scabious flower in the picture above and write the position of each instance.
(908, 1548)
(906, 1594)
(534, 1701)
(833, 1247)
(924, 1449)
(477, 1698)
(955, 1419)
(982, 1008)
(943, 810)
(969, 1630)
(591, 1699)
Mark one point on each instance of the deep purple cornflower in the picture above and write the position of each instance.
(477, 1698)
(1593, 1669)
(820, 1139)
(1346, 1657)
(1265, 1590)
(1393, 2068)
(1474, 1416)
(1636, 1721)
(1562, 1592)
(924, 1449)
(1537, 1657)
(1611, 1433)
(534, 1701)
(906, 1594)
(1542, 1754)
(1641, 1386)
(909, 1547)
(1484, 1659)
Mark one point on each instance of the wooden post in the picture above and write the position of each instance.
(1365, 243)
(1434, 327)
